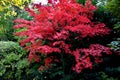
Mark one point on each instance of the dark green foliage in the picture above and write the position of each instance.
(106, 77)
(114, 7)
(105, 16)
(6, 30)
(83, 1)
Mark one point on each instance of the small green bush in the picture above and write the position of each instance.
(13, 62)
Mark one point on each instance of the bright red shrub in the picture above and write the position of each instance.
(60, 28)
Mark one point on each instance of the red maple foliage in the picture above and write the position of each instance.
(60, 28)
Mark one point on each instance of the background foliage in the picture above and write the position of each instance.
(114, 7)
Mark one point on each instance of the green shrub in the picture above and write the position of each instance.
(13, 62)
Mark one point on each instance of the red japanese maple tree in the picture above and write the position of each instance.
(63, 27)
